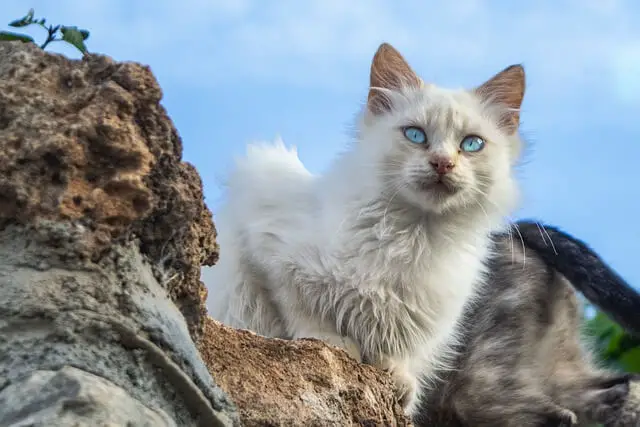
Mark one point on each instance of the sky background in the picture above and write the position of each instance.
(236, 71)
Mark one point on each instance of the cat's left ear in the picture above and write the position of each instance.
(389, 73)
(506, 89)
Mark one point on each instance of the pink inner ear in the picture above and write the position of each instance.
(507, 89)
(378, 102)
(389, 70)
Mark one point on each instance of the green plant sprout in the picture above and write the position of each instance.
(55, 33)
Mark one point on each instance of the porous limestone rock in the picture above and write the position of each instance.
(68, 397)
(103, 230)
(297, 383)
(88, 142)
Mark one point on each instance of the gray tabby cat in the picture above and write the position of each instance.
(521, 361)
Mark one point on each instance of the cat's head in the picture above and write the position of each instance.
(438, 149)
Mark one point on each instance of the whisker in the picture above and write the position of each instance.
(550, 240)
(544, 240)
(481, 208)
(386, 209)
(513, 252)
(524, 249)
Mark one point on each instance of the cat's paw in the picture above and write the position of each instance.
(406, 384)
(610, 403)
(345, 343)
(406, 391)
(560, 417)
(614, 402)
(627, 413)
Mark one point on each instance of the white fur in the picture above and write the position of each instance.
(360, 257)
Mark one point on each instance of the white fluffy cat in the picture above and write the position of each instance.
(379, 254)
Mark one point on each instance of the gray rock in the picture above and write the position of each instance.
(103, 229)
(110, 318)
(71, 397)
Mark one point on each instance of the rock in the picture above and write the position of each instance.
(297, 383)
(68, 396)
(88, 142)
(103, 230)
(110, 318)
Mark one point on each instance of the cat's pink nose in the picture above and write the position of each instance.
(442, 164)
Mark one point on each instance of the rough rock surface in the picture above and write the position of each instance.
(102, 233)
(297, 383)
(103, 230)
(88, 141)
(67, 397)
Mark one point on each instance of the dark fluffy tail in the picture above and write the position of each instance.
(587, 272)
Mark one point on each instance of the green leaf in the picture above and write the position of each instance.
(74, 37)
(19, 23)
(612, 349)
(615, 347)
(24, 21)
(630, 360)
(9, 37)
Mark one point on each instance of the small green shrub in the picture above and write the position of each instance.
(615, 347)
(55, 33)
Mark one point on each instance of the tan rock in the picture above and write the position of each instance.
(88, 141)
(297, 383)
(103, 230)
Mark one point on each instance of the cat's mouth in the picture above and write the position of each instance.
(441, 186)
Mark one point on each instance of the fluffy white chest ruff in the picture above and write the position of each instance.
(403, 293)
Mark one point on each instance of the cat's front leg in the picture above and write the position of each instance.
(310, 285)
(406, 382)
(615, 402)
(331, 338)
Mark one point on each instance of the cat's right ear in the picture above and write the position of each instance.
(507, 89)
(389, 72)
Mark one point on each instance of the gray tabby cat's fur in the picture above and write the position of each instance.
(522, 362)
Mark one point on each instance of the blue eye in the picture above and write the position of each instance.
(472, 144)
(415, 135)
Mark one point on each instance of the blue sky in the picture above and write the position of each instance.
(234, 71)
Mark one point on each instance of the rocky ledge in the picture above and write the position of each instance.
(103, 230)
